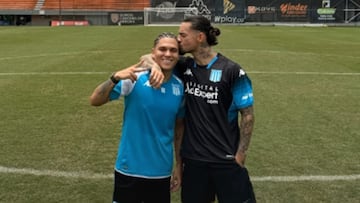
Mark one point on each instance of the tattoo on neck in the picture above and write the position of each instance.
(205, 54)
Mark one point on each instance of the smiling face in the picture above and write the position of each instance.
(166, 52)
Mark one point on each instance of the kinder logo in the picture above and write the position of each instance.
(288, 9)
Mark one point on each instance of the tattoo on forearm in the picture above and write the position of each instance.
(105, 87)
(246, 127)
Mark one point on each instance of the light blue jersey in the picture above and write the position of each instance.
(146, 147)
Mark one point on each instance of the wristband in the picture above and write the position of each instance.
(114, 80)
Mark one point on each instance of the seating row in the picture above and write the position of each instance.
(76, 4)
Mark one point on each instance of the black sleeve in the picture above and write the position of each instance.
(180, 67)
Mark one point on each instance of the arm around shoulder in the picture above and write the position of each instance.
(156, 75)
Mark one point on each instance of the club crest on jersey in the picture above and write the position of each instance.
(215, 75)
(176, 90)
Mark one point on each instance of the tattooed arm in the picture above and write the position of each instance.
(101, 94)
(246, 128)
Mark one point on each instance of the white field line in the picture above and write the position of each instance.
(39, 55)
(56, 54)
(29, 171)
(306, 178)
(250, 72)
(302, 73)
(52, 173)
(225, 49)
(54, 73)
(288, 52)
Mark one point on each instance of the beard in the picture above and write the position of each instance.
(182, 51)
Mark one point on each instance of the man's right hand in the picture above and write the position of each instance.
(156, 78)
(156, 75)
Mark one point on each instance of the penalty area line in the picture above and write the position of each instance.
(84, 175)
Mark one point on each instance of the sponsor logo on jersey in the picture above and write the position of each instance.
(215, 75)
(207, 92)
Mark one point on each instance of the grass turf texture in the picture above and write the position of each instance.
(306, 124)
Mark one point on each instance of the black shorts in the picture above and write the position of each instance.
(202, 181)
(129, 189)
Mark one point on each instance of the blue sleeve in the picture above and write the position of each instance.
(243, 92)
(115, 92)
(123, 88)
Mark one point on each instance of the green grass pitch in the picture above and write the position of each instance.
(55, 147)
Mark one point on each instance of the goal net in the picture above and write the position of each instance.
(167, 16)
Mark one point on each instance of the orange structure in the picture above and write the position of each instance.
(96, 4)
(74, 4)
(17, 5)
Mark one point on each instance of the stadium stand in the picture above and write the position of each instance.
(96, 4)
(74, 4)
(17, 5)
